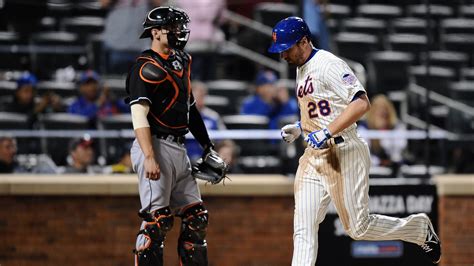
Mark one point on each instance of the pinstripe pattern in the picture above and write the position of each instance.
(340, 173)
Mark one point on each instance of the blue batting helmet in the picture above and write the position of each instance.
(287, 32)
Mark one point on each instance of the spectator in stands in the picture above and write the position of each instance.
(93, 101)
(211, 118)
(206, 18)
(24, 99)
(81, 156)
(122, 28)
(382, 116)
(269, 100)
(7, 155)
(124, 164)
(229, 152)
(314, 17)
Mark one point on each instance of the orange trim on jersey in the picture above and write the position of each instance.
(176, 93)
(180, 73)
(189, 75)
(163, 124)
(165, 56)
(150, 81)
(145, 58)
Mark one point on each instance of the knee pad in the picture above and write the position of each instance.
(192, 246)
(158, 223)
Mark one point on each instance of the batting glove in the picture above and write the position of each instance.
(317, 139)
(291, 132)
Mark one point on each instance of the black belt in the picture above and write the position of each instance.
(171, 138)
(338, 140)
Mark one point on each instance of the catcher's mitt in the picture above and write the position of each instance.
(211, 167)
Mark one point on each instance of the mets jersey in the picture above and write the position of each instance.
(325, 86)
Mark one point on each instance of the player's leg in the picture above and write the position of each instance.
(155, 212)
(311, 202)
(192, 245)
(351, 200)
(150, 239)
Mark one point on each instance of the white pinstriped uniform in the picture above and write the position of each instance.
(339, 173)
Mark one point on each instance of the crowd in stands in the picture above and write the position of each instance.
(94, 97)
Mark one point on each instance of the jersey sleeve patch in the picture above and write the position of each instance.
(349, 79)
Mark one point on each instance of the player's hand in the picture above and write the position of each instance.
(317, 139)
(291, 132)
(152, 168)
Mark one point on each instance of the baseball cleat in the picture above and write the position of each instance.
(432, 245)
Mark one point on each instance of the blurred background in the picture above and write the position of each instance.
(63, 65)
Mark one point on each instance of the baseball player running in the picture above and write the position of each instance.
(163, 111)
(335, 165)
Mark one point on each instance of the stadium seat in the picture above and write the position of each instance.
(83, 25)
(12, 56)
(9, 37)
(251, 146)
(49, 24)
(7, 88)
(457, 25)
(419, 171)
(61, 88)
(454, 60)
(466, 11)
(410, 25)
(410, 43)
(57, 148)
(234, 90)
(338, 12)
(379, 11)
(116, 122)
(270, 13)
(388, 71)
(355, 46)
(110, 148)
(260, 164)
(333, 25)
(461, 122)
(17, 121)
(9, 121)
(116, 86)
(246, 121)
(460, 43)
(437, 11)
(219, 104)
(467, 73)
(381, 172)
(89, 8)
(438, 80)
(366, 25)
(53, 50)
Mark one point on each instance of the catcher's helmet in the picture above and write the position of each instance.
(173, 19)
(287, 32)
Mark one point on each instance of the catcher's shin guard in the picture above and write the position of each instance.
(158, 223)
(192, 246)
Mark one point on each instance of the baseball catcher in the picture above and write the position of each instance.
(163, 112)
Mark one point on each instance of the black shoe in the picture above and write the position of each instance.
(432, 245)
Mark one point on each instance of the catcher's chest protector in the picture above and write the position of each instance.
(171, 95)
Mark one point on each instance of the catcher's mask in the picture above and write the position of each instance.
(173, 20)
